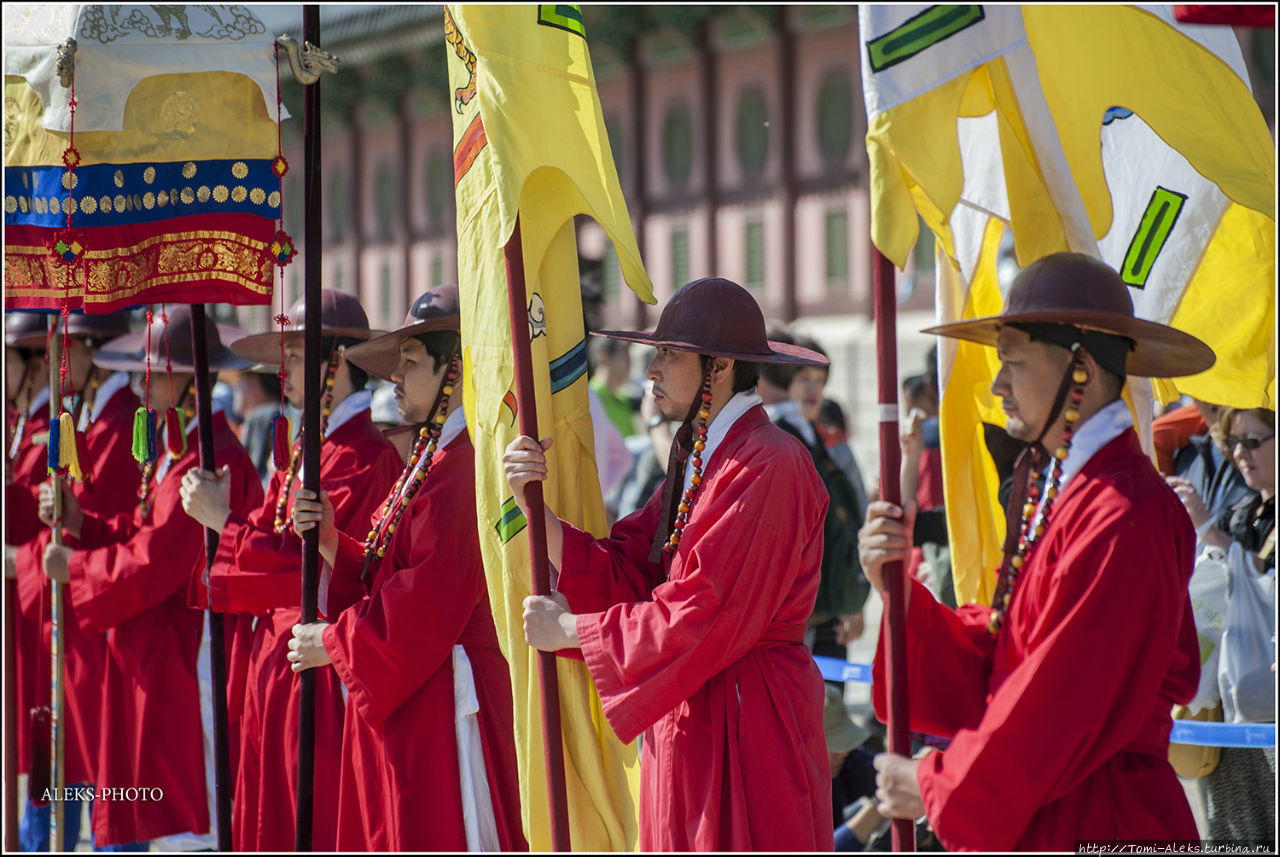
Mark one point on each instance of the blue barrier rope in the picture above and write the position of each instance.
(1191, 732)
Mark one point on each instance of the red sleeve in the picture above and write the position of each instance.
(388, 645)
(732, 584)
(21, 513)
(255, 568)
(598, 573)
(1171, 432)
(1091, 673)
(116, 582)
(945, 649)
(342, 584)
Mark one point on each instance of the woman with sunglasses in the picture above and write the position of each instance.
(1240, 791)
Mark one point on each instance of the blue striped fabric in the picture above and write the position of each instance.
(124, 194)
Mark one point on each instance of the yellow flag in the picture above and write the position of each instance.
(1108, 130)
(529, 142)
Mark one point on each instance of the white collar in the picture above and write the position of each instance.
(454, 425)
(729, 414)
(1107, 424)
(348, 408)
(39, 400)
(115, 382)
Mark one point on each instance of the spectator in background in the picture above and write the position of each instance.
(775, 380)
(613, 458)
(1186, 451)
(852, 773)
(611, 382)
(837, 613)
(1240, 791)
(921, 480)
(834, 430)
(256, 397)
(386, 417)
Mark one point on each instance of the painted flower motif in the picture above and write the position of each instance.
(282, 248)
(279, 166)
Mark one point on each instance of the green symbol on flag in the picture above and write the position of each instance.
(563, 16)
(919, 33)
(511, 522)
(1153, 231)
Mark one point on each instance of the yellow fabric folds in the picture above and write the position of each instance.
(1107, 130)
(529, 142)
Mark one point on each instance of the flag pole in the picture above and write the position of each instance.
(217, 638)
(885, 301)
(526, 404)
(312, 248)
(58, 709)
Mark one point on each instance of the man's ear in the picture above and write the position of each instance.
(721, 369)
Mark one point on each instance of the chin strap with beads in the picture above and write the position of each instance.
(402, 494)
(695, 479)
(1029, 535)
(282, 522)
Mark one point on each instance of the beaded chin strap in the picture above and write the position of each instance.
(282, 522)
(1028, 536)
(695, 479)
(375, 544)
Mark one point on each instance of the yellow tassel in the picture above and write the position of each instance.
(68, 459)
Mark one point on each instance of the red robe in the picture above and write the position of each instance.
(394, 652)
(704, 652)
(28, 468)
(111, 489)
(259, 571)
(1060, 724)
(131, 579)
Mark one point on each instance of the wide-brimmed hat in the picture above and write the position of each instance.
(129, 353)
(23, 329)
(97, 326)
(340, 316)
(842, 734)
(1086, 293)
(435, 309)
(718, 317)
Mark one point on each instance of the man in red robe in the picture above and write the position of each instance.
(129, 576)
(26, 466)
(691, 615)
(1057, 698)
(103, 411)
(428, 747)
(258, 570)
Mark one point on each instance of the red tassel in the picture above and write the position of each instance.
(281, 452)
(175, 432)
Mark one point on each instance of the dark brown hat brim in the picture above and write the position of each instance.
(129, 354)
(780, 352)
(265, 347)
(1160, 351)
(380, 356)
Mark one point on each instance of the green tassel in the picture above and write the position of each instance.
(140, 435)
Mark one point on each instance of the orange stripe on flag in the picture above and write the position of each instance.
(473, 140)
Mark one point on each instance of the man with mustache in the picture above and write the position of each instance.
(691, 615)
(258, 570)
(428, 746)
(1058, 695)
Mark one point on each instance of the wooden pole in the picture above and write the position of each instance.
(10, 716)
(217, 642)
(903, 834)
(58, 709)
(312, 247)
(526, 404)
